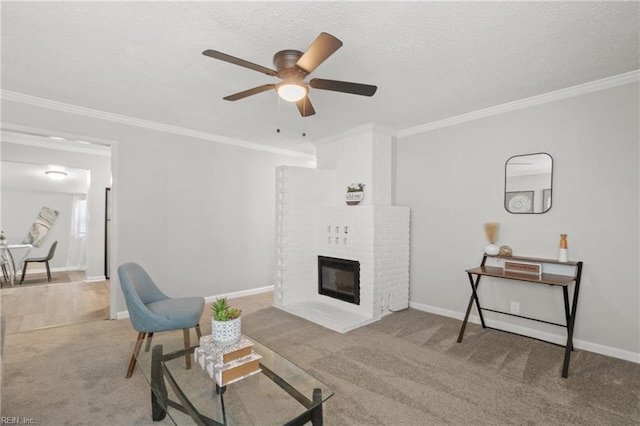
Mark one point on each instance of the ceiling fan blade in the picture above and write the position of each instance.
(321, 48)
(249, 92)
(237, 61)
(305, 107)
(343, 86)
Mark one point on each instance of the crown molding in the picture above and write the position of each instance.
(31, 136)
(39, 142)
(147, 124)
(581, 89)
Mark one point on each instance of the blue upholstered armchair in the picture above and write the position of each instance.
(152, 311)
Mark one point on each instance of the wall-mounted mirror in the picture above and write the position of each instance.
(528, 183)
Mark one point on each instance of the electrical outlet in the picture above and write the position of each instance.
(515, 307)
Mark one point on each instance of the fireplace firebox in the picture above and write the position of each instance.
(339, 278)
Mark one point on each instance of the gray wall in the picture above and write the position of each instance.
(199, 215)
(453, 180)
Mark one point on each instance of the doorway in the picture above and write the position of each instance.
(90, 283)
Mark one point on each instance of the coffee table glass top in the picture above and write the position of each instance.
(275, 396)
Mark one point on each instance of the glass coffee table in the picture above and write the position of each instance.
(282, 394)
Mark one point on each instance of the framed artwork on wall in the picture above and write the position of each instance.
(40, 227)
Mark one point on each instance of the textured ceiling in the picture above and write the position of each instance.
(430, 60)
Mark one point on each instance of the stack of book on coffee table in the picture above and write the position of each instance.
(227, 364)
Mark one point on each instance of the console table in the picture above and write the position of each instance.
(556, 280)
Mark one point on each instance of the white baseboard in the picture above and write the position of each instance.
(96, 278)
(122, 315)
(537, 334)
(210, 299)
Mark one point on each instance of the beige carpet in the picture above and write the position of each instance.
(408, 369)
(403, 370)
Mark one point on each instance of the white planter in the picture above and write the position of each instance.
(226, 332)
(354, 198)
(492, 249)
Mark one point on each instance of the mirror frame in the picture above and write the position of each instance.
(506, 164)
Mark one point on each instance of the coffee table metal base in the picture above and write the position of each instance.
(160, 401)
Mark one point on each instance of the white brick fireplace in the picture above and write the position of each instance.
(312, 219)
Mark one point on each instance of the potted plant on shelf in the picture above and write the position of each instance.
(355, 193)
(225, 323)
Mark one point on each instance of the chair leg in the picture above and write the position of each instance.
(24, 271)
(48, 270)
(136, 352)
(148, 345)
(187, 357)
(198, 332)
(5, 273)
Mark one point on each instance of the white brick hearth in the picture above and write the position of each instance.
(313, 220)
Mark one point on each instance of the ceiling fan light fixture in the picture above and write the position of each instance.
(292, 91)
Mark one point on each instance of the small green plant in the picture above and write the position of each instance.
(221, 311)
(355, 187)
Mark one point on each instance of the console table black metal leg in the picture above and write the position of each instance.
(474, 297)
(474, 289)
(158, 388)
(572, 322)
(466, 318)
(567, 311)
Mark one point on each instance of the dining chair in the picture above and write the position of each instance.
(4, 264)
(151, 311)
(45, 260)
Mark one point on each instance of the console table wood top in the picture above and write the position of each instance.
(498, 272)
(534, 259)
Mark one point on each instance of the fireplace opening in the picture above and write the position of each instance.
(339, 278)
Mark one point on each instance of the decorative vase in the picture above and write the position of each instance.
(226, 333)
(354, 198)
(492, 249)
(506, 251)
(491, 231)
(563, 253)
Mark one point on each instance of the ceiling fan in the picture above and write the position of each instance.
(292, 67)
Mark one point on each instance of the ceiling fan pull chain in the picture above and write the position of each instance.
(278, 116)
(304, 115)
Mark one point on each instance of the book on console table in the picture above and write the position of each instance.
(224, 354)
